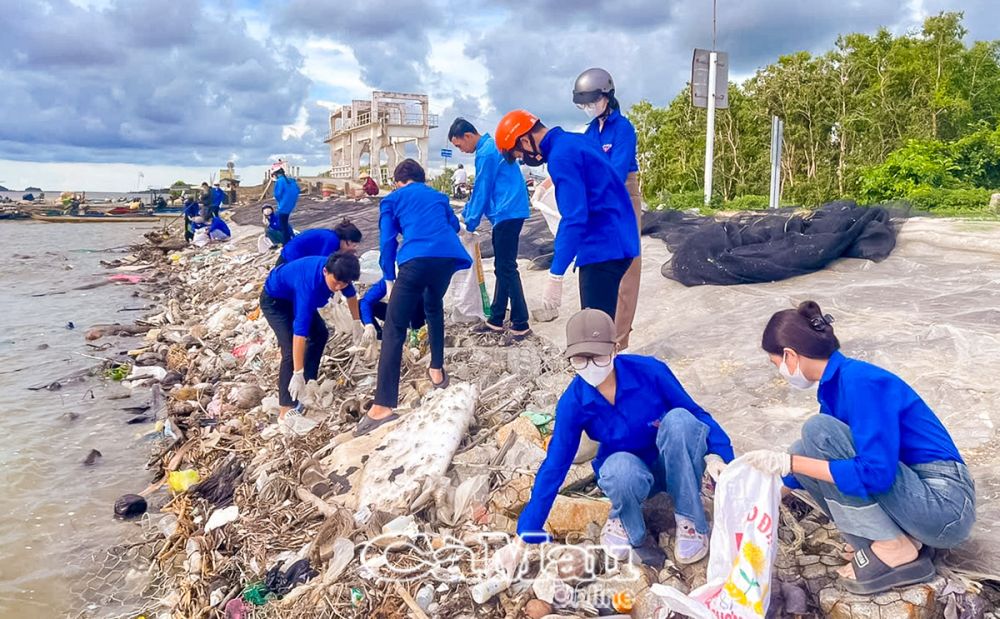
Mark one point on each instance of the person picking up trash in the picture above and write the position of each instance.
(594, 93)
(286, 193)
(653, 437)
(597, 226)
(292, 294)
(876, 459)
(499, 195)
(373, 310)
(345, 236)
(429, 255)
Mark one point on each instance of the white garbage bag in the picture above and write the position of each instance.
(741, 553)
(544, 201)
(464, 300)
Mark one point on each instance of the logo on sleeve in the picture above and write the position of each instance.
(607, 147)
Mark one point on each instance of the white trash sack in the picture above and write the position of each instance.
(544, 201)
(741, 553)
(463, 298)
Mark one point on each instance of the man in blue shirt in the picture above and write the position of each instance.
(594, 93)
(286, 193)
(218, 199)
(292, 294)
(653, 437)
(499, 194)
(345, 236)
(597, 226)
(373, 309)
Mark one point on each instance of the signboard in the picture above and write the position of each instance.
(699, 79)
(446, 153)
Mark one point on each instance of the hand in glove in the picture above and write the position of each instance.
(552, 296)
(369, 336)
(714, 465)
(297, 386)
(768, 461)
(357, 332)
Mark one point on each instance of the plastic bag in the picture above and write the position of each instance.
(544, 201)
(742, 550)
(464, 298)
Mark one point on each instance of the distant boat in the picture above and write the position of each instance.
(95, 218)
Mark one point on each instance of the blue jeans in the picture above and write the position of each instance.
(627, 481)
(934, 503)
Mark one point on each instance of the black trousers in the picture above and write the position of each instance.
(599, 283)
(506, 237)
(280, 314)
(379, 311)
(286, 228)
(420, 279)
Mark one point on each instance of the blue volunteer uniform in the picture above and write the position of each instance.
(315, 242)
(302, 282)
(598, 223)
(286, 192)
(218, 198)
(617, 139)
(646, 391)
(889, 424)
(499, 191)
(417, 208)
(367, 304)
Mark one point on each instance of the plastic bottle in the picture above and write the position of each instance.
(486, 590)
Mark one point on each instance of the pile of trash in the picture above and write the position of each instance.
(251, 517)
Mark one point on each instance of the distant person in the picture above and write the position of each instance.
(292, 294)
(192, 210)
(232, 195)
(373, 308)
(286, 193)
(205, 198)
(594, 93)
(499, 194)
(345, 236)
(371, 187)
(272, 225)
(460, 177)
(429, 255)
(597, 226)
(218, 199)
(876, 458)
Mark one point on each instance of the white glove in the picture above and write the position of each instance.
(357, 332)
(714, 465)
(768, 461)
(506, 561)
(297, 386)
(552, 296)
(369, 336)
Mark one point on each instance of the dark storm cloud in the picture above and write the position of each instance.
(389, 39)
(161, 81)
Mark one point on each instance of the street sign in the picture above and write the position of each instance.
(446, 153)
(700, 66)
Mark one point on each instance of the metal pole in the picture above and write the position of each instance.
(710, 128)
(777, 163)
(771, 199)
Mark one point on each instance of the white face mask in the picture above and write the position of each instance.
(595, 109)
(797, 380)
(594, 375)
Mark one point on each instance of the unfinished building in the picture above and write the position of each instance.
(380, 129)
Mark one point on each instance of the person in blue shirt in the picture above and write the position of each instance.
(429, 255)
(218, 199)
(192, 210)
(373, 308)
(876, 459)
(272, 225)
(292, 294)
(594, 93)
(653, 437)
(498, 194)
(597, 226)
(286, 193)
(345, 236)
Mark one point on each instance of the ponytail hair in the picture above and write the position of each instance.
(806, 330)
(346, 231)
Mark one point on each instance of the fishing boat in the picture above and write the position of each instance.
(95, 218)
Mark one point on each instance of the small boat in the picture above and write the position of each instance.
(95, 218)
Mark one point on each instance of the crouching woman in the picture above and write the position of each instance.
(876, 459)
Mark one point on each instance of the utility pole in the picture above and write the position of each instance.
(777, 133)
(710, 124)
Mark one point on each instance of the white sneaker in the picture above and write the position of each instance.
(614, 539)
(689, 545)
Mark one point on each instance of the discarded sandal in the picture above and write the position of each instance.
(367, 424)
(871, 575)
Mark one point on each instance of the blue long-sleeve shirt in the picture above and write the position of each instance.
(314, 242)
(302, 282)
(374, 294)
(286, 193)
(889, 423)
(646, 390)
(617, 139)
(218, 197)
(423, 216)
(598, 223)
(499, 191)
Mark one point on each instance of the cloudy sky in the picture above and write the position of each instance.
(97, 92)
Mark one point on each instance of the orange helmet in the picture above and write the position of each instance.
(512, 126)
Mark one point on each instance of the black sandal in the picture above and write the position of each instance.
(367, 423)
(444, 381)
(872, 575)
